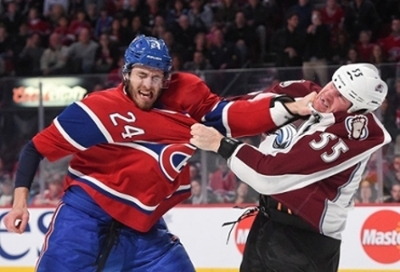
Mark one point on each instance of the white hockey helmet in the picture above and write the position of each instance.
(361, 84)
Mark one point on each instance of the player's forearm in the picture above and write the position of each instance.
(28, 163)
(21, 195)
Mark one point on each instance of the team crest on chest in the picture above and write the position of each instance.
(357, 128)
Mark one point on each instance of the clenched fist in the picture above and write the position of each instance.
(206, 138)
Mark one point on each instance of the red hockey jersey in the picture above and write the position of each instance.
(132, 162)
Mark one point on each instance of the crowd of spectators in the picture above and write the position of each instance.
(67, 37)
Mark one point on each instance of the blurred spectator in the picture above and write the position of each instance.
(6, 50)
(394, 99)
(243, 36)
(63, 30)
(52, 195)
(137, 28)
(159, 26)
(115, 32)
(222, 55)
(243, 195)
(92, 14)
(199, 63)
(107, 55)
(258, 16)
(364, 46)
(226, 12)
(36, 23)
(54, 57)
(388, 118)
(115, 76)
(130, 8)
(12, 18)
(194, 171)
(333, 16)
(125, 32)
(200, 43)
(366, 193)
(223, 182)
(371, 171)
(76, 5)
(379, 59)
(352, 56)
(6, 191)
(78, 23)
(177, 63)
(391, 43)
(56, 12)
(198, 196)
(81, 54)
(178, 8)
(392, 177)
(394, 194)
(316, 50)
(49, 4)
(184, 33)
(152, 9)
(303, 9)
(200, 15)
(340, 48)
(28, 63)
(172, 46)
(361, 15)
(103, 23)
(287, 44)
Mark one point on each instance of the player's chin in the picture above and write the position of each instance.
(144, 105)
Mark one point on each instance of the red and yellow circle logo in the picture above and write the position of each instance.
(242, 231)
(380, 236)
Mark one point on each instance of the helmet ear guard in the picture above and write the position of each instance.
(360, 84)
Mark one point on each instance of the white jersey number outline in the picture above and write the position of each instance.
(130, 131)
(337, 149)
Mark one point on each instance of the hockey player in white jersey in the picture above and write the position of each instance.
(307, 176)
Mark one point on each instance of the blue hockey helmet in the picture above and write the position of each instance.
(149, 52)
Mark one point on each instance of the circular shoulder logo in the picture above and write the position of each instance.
(380, 236)
(242, 231)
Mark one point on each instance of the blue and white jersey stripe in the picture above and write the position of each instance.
(81, 127)
(217, 118)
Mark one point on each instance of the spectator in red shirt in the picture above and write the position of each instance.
(79, 23)
(36, 24)
(364, 46)
(332, 15)
(391, 43)
(63, 30)
(223, 182)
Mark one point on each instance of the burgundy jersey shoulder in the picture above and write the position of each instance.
(294, 88)
(187, 93)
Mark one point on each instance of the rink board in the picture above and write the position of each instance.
(371, 241)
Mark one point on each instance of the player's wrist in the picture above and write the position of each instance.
(227, 147)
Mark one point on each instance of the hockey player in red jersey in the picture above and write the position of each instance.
(130, 145)
(307, 175)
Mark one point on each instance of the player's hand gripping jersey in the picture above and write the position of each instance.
(146, 151)
(321, 193)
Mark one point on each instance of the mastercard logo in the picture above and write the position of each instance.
(380, 236)
(242, 231)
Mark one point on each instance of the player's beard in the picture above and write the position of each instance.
(141, 101)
